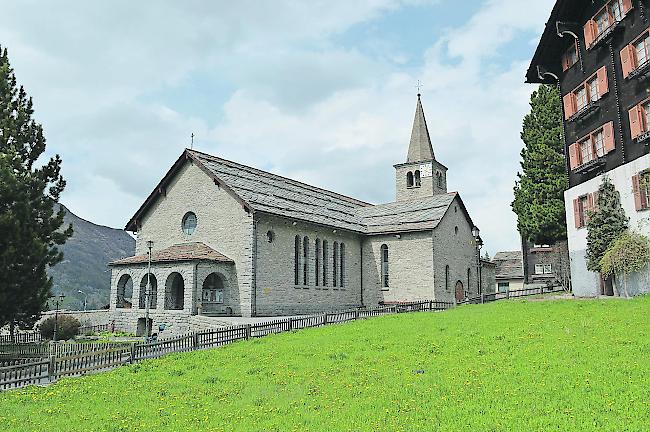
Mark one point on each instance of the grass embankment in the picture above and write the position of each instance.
(508, 366)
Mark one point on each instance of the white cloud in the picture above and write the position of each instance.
(300, 104)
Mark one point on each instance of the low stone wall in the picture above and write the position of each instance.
(86, 318)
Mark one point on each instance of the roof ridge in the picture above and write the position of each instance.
(280, 177)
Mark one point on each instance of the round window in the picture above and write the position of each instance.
(189, 223)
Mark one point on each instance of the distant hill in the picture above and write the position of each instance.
(85, 258)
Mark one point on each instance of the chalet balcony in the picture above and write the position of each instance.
(607, 34)
(592, 165)
(585, 113)
(642, 72)
(644, 138)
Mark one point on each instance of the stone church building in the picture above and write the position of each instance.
(232, 240)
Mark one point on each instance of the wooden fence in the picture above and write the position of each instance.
(79, 359)
(24, 337)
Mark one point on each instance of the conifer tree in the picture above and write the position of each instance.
(604, 225)
(539, 190)
(30, 229)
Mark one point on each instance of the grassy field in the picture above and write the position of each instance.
(508, 366)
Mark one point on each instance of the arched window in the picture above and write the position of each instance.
(124, 292)
(305, 257)
(335, 266)
(325, 259)
(296, 262)
(439, 178)
(153, 291)
(317, 263)
(174, 292)
(469, 273)
(447, 278)
(189, 223)
(342, 272)
(384, 266)
(418, 181)
(409, 179)
(213, 288)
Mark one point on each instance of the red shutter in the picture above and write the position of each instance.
(576, 213)
(589, 33)
(569, 105)
(565, 62)
(627, 60)
(610, 142)
(636, 189)
(603, 84)
(595, 202)
(574, 162)
(627, 6)
(590, 207)
(636, 121)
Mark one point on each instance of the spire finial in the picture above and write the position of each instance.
(418, 86)
(192, 142)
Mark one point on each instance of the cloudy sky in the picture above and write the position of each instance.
(320, 91)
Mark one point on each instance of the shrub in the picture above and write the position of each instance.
(629, 253)
(67, 327)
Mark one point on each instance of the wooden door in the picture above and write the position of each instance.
(460, 292)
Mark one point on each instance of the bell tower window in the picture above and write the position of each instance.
(409, 179)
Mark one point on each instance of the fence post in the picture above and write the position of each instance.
(507, 293)
(248, 331)
(290, 324)
(132, 359)
(51, 368)
(325, 319)
(541, 289)
(195, 341)
(482, 298)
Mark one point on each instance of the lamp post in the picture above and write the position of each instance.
(147, 292)
(479, 243)
(59, 299)
(85, 298)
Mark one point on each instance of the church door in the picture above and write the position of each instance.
(460, 292)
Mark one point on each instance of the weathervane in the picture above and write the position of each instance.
(192, 143)
(419, 86)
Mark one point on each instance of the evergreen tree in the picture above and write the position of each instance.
(604, 224)
(539, 191)
(30, 229)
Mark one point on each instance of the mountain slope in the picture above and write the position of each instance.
(85, 258)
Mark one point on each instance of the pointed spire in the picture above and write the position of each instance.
(420, 148)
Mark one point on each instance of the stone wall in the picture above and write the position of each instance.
(86, 318)
(410, 268)
(429, 185)
(454, 246)
(222, 224)
(277, 294)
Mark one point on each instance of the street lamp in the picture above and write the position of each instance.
(59, 299)
(147, 292)
(479, 243)
(85, 298)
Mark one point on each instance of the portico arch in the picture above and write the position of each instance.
(124, 292)
(153, 294)
(213, 288)
(174, 292)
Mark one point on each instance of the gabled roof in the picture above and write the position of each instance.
(180, 252)
(420, 148)
(509, 265)
(549, 50)
(414, 215)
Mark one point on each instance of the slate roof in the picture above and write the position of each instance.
(265, 192)
(416, 215)
(180, 252)
(278, 195)
(509, 265)
(420, 148)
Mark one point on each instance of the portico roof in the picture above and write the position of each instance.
(177, 253)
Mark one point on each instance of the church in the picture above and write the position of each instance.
(226, 239)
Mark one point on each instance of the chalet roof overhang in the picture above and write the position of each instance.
(563, 23)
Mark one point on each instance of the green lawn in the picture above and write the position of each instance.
(507, 366)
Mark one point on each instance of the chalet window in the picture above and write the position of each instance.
(641, 190)
(595, 145)
(589, 91)
(503, 286)
(548, 268)
(581, 208)
(607, 17)
(570, 57)
(640, 119)
(384, 266)
(539, 269)
(636, 55)
(296, 261)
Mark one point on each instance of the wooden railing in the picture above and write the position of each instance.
(49, 362)
(24, 337)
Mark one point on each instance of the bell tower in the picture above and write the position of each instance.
(422, 175)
